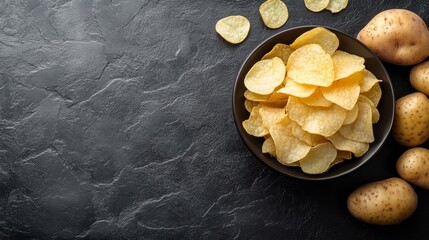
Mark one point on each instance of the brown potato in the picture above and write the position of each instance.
(397, 36)
(413, 166)
(411, 122)
(386, 202)
(419, 77)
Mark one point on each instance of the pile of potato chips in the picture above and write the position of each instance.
(314, 104)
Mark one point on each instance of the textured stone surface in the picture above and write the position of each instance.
(116, 123)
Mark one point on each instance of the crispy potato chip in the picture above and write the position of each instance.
(344, 92)
(344, 154)
(249, 104)
(289, 149)
(374, 110)
(323, 121)
(274, 13)
(269, 147)
(281, 51)
(319, 158)
(374, 94)
(319, 35)
(278, 97)
(310, 64)
(255, 97)
(336, 6)
(341, 143)
(253, 125)
(265, 76)
(234, 29)
(271, 115)
(351, 115)
(316, 5)
(309, 138)
(293, 88)
(316, 100)
(346, 64)
(369, 80)
(361, 129)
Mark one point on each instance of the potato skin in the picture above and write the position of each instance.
(419, 77)
(397, 36)
(386, 202)
(413, 166)
(411, 120)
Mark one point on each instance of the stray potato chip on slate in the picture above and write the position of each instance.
(336, 6)
(265, 76)
(234, 29)
(320, 36)
(274, 13)
(316, 5)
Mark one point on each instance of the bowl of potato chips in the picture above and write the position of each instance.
(313, 103)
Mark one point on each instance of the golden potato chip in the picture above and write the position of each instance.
(255, 97)
(319, 158)
(253, 125)
(278, 97)
(335, 162)
(344, 154)
(316, 100)
(374, 111)
(351, 115)
(293, 88)
(309, 138)
(269, 147)
(337, 5)
(320, 36)
(344, 144)
(281, 51)
(289, 149)
(323, 121)
(374, 94)
(369, 80)
(316, 5)
(265, 76)
(311, 65)
(346, 64)
(271, 115)
(274, 13)
(344, 92)
(249, 104)
(361, 129)
(234, 29)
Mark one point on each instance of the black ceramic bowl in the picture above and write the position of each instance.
(348, 44)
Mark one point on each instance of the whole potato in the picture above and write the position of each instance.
(411, 120)
(413, 166)
(397, 36)
(385, 202)
(419, 77)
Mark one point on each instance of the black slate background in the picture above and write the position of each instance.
(116, 123)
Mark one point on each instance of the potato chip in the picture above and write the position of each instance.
(344, 154)
(369, 80)
(278, 97)
(374, 110)
(255, 97)
(274, 13)
(319, 35)
(374, 94)
(344, 92)
(311, 65)
(323, 121)
(316, 5)
(269, 147)
(346, 64)
(309, 138)
(289, 149)
(234, 29)
(271, 115)
(316, 100)
(253, 125)
(341, 143)
(351, 115)
(265, 76)
(319, 158)
(361, 129)
(336, 6)
(281, 51)
(293, 88)
(249, 104)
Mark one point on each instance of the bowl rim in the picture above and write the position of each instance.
(322, 176)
